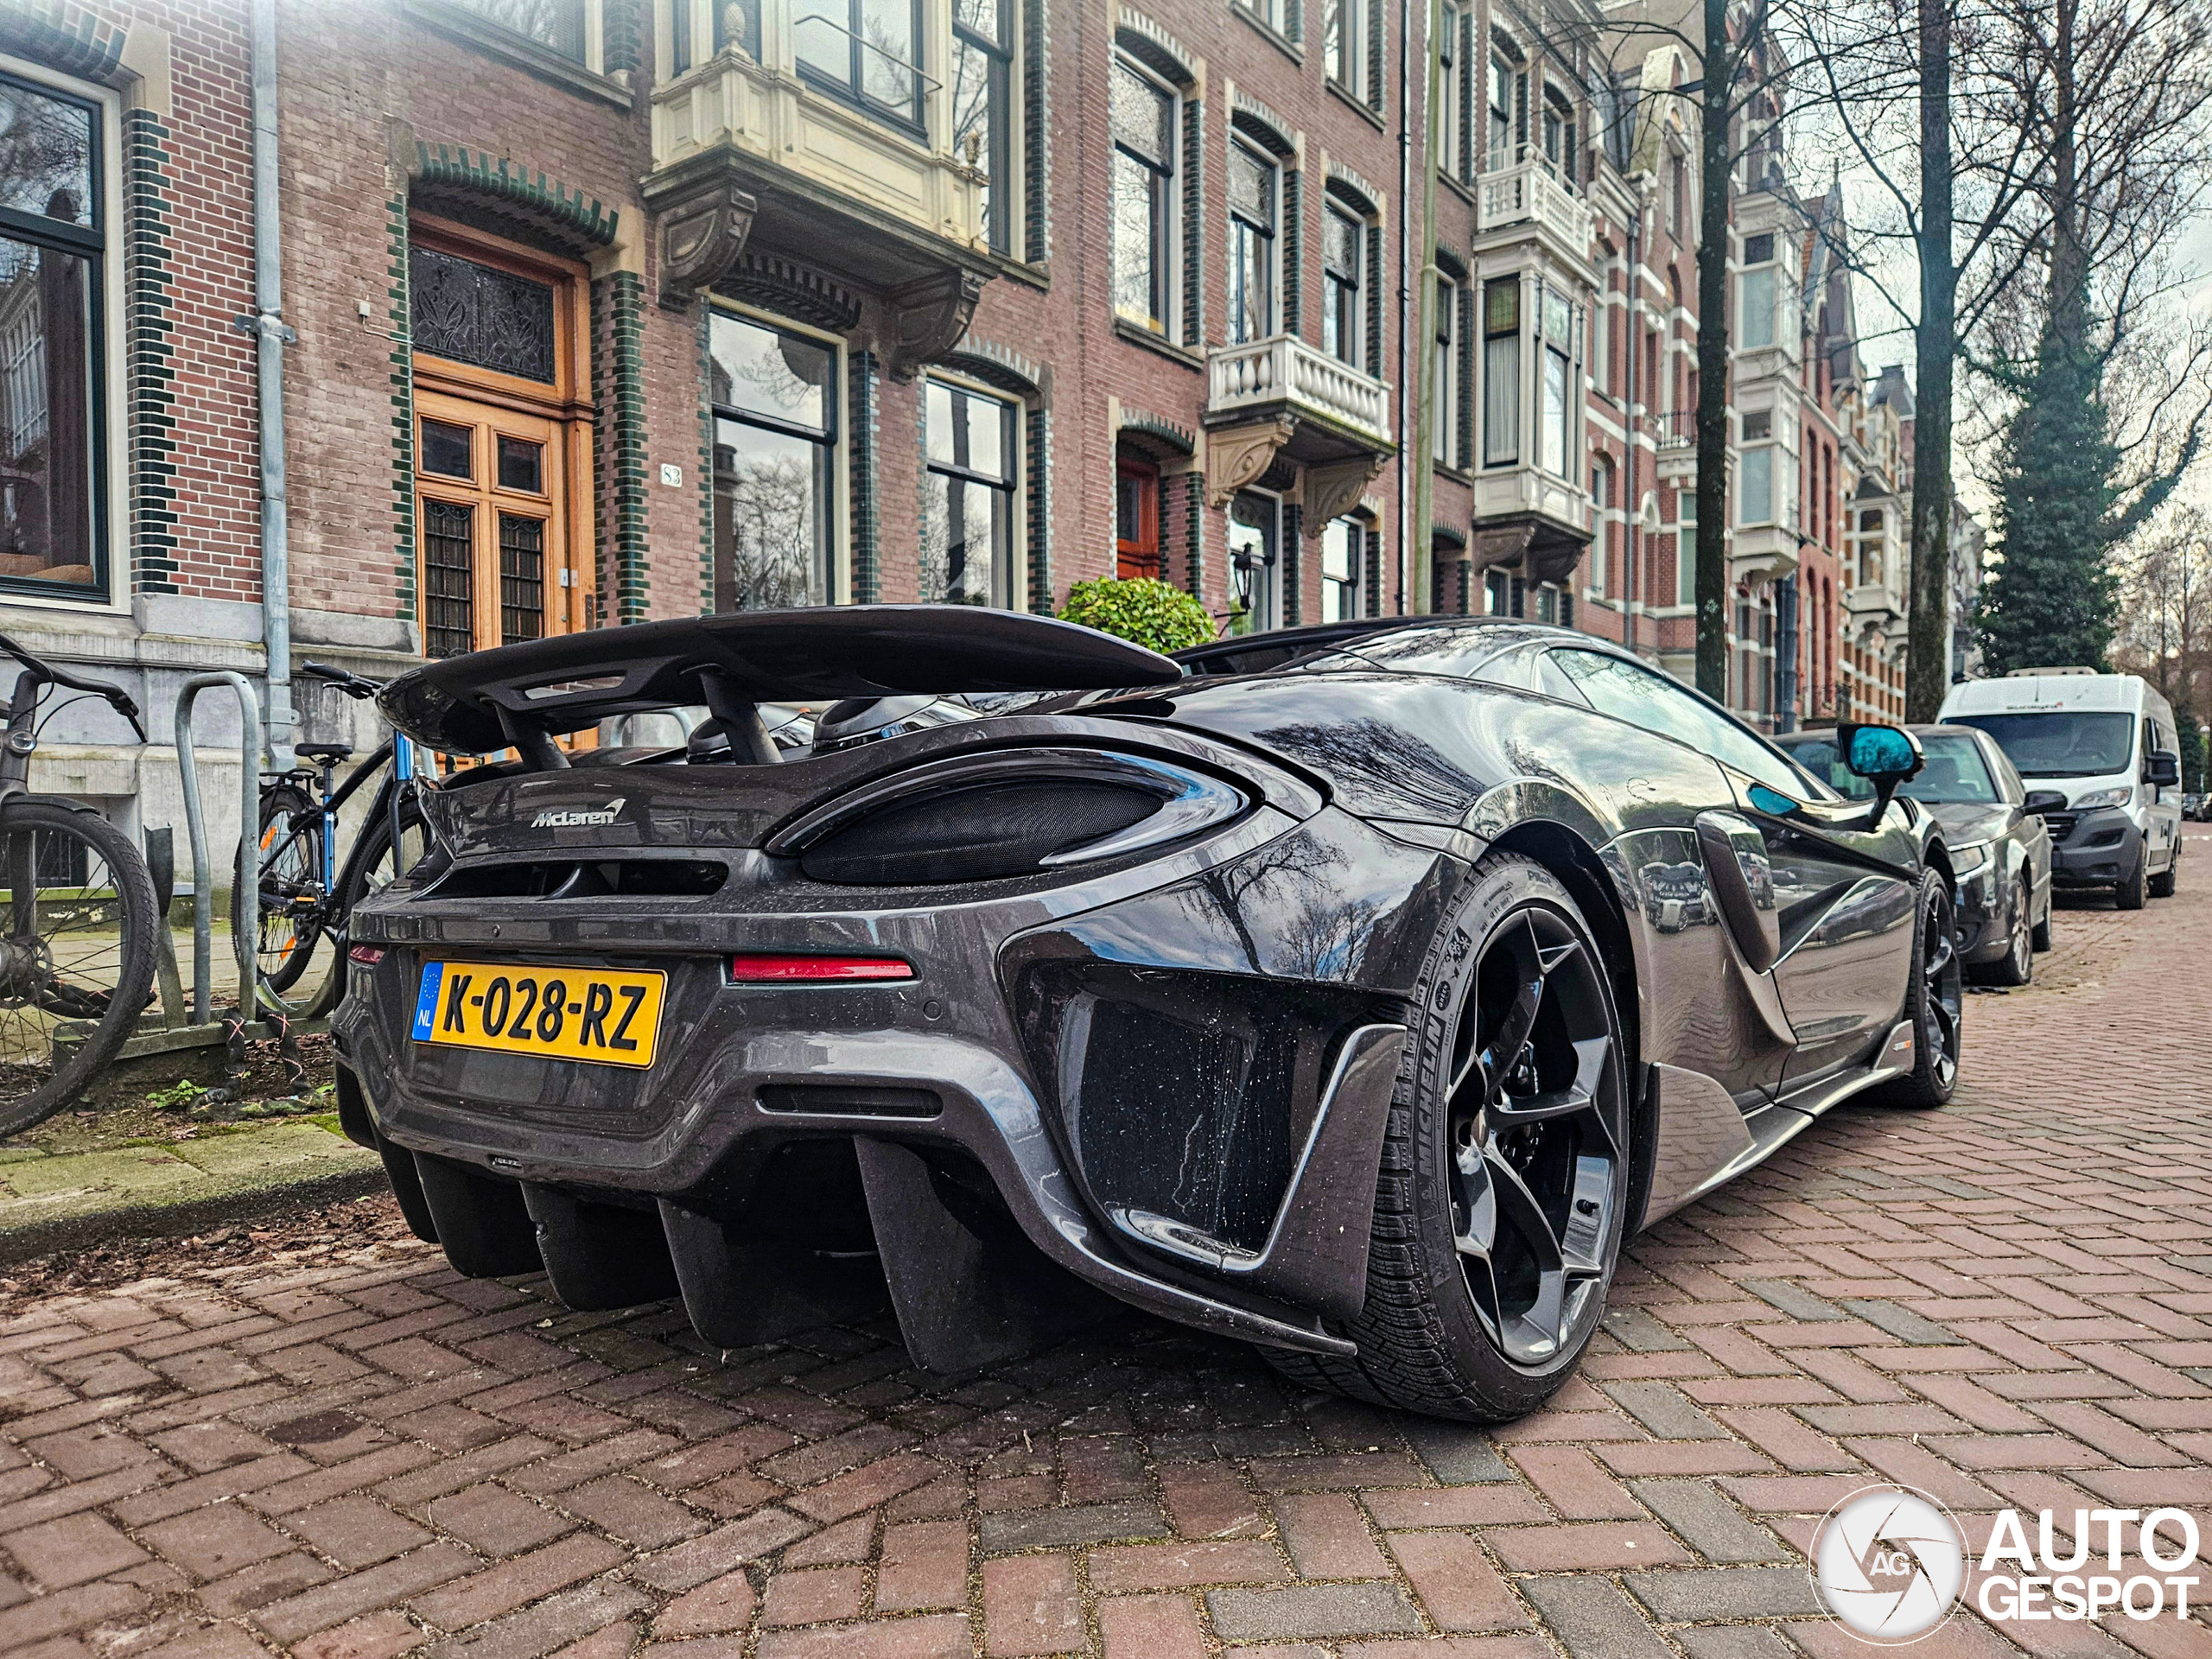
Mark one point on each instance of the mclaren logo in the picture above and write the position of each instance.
(567, 817)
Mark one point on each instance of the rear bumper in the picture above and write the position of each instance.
(1110, 1060)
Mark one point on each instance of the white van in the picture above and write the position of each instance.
(2102, 751)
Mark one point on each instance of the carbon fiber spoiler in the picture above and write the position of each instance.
(520, 695)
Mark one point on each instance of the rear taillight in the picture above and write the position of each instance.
(367, 954)
(762, 969)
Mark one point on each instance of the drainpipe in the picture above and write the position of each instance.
(1424, 365)
(1633, 343)
(271, 336)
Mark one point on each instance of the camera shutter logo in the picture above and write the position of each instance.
(1888, 1564)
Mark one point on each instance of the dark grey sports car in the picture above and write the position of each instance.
(1353, 992)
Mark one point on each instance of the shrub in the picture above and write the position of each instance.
(1148, 611)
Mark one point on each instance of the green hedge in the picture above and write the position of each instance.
(1149, 612)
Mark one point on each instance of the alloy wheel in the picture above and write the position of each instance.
(2024, 946)
(1942, 992)
(1538, 1139)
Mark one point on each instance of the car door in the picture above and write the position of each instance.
(1834, 926)
(2028, 829)
(2163, 814)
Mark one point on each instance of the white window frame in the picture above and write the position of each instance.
(1017, 485)
(1171, 250)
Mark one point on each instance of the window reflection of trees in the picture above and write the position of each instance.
(46, 156)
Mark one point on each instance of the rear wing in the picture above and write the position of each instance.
(523, 696)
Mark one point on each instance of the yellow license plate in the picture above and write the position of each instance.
(608, 1016)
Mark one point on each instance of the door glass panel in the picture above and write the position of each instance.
(476, 314)
(446, 450)
(448, 578)
(522, 578)
(522, 464)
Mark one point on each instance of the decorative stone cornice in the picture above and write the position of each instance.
(1332, 488)
(705, 214)
(928, 318)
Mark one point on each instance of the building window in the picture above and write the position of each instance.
(1558, 136)
(865, 51)
(53, 260)
(1279, 16)
(1509, 88)
(983, 106)
(1758, 287)
(1344, 45)
(1254, 184)
(968, 499)
(1678, 198)
(1686, 547)
(775, 403)
(1501, 372)
(483, 316)
(1343, 563)
(1255, 562)
(1444, 374)
(1342, 307)
(1558, 379)
(1143, 117)
(1451, 47)
(1137, 520)
(556, 25)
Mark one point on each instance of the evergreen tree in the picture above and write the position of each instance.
(2053, 598)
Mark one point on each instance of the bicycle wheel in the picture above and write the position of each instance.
(291, 887)
(76, 957)
(365, 875)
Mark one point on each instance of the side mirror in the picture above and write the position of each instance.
(1886, 756)
(2042, 801)
(2162, 768)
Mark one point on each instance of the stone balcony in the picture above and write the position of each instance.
(1874, 602)
(1527, 196)
(1675, 431)
(749, 158)
(1760, 553)
(1282, 397)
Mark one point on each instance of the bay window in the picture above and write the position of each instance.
(1508, 92)
(1686, 547)
(1558, 381)
(1501, 370)
(983, 106)
(868, 52)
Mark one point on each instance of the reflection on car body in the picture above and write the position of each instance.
(1354, 992)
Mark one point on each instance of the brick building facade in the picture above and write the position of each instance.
(605, 310)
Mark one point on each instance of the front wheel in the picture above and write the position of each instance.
(1935, 1002)
(1503, 1189)
(2131, 893)
(77, 960)
(291, 896)
(2018, 965)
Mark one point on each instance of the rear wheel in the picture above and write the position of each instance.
(76, 957)
(1504, 1186)
(290, 890)
(2161, 885)
(1935, 1002)
(2018, 965)
(2043, 928)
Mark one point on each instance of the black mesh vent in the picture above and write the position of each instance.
(974, 835)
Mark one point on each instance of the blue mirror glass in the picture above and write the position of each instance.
(1880, 752)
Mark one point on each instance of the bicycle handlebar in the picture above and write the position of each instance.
(118, 698)
(353, 685)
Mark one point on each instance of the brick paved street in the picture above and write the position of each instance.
(2009, 1302)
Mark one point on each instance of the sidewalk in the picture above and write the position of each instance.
(53, 1200)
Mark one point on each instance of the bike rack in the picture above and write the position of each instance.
(245, 888)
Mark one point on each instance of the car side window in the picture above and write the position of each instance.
(1656, 703)
(2008, 781)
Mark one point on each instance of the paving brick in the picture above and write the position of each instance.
(71, 1551)
(1459, 1588)
(379, 1586)
(1584, 1546)
(1665, 1412)
(1327, 1537)
(932, 1636)
(1592, 1619)
(1209, 1501)
(356, 1531)
(1150, 1627)
(556, 1623)
(501, 1589)
(1175, 1567)
(218, 1540)
(814, 1596)
(1317, 1613)
(1712, 1526)
(1573, 1484)
(1086, 1523)
(372, 1636)
(1463, 1507)
(1030, 1607)
(715, 1607)
(495, 1521)
(924, 1565)
(715, 1553)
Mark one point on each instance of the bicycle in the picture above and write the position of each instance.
(77, 960)
(306, 894)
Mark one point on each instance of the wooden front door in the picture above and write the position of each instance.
(494, 526)
(502, 443)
